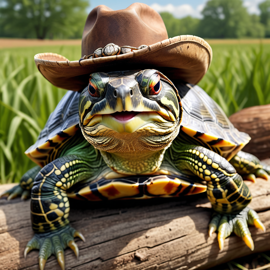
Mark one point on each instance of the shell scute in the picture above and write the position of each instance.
(205, 123)
(62, 124)
(137, 187)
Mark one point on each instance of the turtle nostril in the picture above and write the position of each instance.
(131, 93)
(115, 93)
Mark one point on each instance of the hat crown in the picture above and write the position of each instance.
(134, 26)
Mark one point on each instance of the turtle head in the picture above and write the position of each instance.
(130, 111)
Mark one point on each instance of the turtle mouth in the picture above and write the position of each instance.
(124, 116)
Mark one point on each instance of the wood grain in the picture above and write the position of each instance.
(256, 122)
(141, 235)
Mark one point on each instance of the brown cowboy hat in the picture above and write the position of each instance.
(182, 57)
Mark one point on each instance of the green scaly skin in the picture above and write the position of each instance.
(23, 189)
(50, 205)
(226, 190)
(250, 166)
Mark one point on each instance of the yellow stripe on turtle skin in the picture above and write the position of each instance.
(237, 189)
(86, 107)
(244, 163)
(201, 169)
(39, 199)
(166, 101)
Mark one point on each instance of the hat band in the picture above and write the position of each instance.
(112, 49)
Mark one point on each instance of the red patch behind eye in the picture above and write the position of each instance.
(92, 89)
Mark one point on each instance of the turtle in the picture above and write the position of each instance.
(134, 126)
(135, 134)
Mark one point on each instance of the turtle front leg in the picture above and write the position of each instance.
(50, 208)
(250, 166)
(226, 191)
(23, 189)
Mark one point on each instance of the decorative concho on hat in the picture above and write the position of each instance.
(128, 39)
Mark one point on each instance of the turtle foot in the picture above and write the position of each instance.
(54, 243)
(225, 224)
(262, 174)
(15, 192)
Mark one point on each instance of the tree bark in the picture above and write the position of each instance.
(136, 234)
(256, 122)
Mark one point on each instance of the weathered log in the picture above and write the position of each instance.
(256, 122)
(142, 234)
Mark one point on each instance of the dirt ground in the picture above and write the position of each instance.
(8, 43)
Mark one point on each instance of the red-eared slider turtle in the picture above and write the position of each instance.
(135, 134)
(133, 118)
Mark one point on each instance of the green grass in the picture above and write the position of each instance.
(238, 78)
(26, 101)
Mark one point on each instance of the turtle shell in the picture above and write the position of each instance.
(136, 187)
(62, 124)
(204, 123)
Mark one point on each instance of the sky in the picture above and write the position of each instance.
(179, 8)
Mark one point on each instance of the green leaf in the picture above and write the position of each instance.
(15, 123)
(22, 115)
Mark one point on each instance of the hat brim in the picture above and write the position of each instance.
(182, 57)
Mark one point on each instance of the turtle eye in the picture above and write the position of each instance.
(154, 85)
(93, 89)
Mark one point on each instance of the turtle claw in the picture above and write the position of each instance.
(42, 263)
(3, 194)
(237, 223)
(221, 241)
(212, 229)
(213, 224)
(74, 247)
(248, 241)
(253, 219)
(12, 193)
(54, 242)
(61, 259)
(250, 177)
(262, 174)
(12, 196)
(32, 244)
(25, 195)
(78, 234)
(26, 251)
(259, 225)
